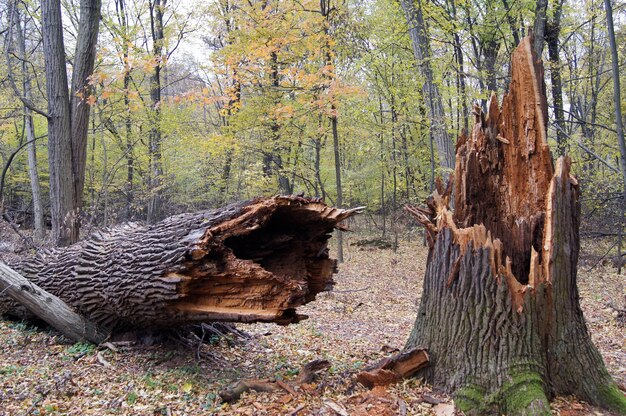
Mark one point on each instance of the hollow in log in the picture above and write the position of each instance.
(500, 314)
(248, 262)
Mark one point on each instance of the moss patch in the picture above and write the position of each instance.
(612, 398)
(470, 398)
(525, 395)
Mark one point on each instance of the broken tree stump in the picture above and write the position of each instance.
(500, 314)
(248, 262)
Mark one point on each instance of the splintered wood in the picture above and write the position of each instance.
(503, 183)
(250, 261)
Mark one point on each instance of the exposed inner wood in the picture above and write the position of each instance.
(502, 182)
(250, 261)
(504, 168)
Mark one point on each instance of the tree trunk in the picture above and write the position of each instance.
(618, 115)
(539, 26)
(339, 199)
(155, 143)
(325, 10)
(29, 127)
(499, 314)
(120, 7)
(83, 64)
(430, 92)
(68, 120)
(251, 261)
(59, 127)
(552, 32)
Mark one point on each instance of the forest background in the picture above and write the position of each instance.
(196, 104)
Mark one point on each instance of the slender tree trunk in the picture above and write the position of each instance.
(490, 52)
(325, 10)
(319, 184)
(552, 31)
(83, 64)
(500, 314)
(460, 78)
(273, 159)
(539, 26)
(513, 23)
(434, 105)
(29, 127)
(120, 6)
(339, 200)
(155, 136)
(618, 111)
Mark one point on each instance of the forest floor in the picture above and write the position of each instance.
(368, 315)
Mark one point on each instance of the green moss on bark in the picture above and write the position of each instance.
(470, 398)
(612, 398)
(525, 395)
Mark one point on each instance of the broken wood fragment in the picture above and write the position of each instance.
(247, 262)
(48, 307)
(234, 392)
(395, 368)
(310, 370)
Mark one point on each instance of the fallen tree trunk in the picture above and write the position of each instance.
(248, 262)
(500, 314)
(48, 307)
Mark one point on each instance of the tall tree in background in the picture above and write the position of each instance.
(326, 9)
(155, 140)
(17, 33)
(547, 29)
(68, 114)
(618, 117)
(434, 105)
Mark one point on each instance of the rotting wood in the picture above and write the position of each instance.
(250, 261)
(48, 307)
(310, 370)
(307, 375)
(234, 392)
(395, 368)
(500, 313)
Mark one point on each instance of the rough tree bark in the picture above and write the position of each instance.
(68, 114)
(250, 261)
(500, 314)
